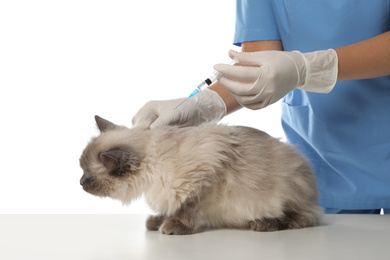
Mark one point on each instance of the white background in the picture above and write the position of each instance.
(62, 62)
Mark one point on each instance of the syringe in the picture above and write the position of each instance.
(204, 84)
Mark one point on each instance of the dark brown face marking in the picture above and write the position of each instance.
(103, 168)
(119, 161)
(97, 186)
(86, 180)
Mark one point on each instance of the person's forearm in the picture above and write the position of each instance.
(366, 59)
(230, 102)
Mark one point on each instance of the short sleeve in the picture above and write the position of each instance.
(255, 21)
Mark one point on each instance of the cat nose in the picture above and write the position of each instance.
(86, 179)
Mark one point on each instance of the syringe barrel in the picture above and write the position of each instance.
(210, 80)
(202, 86)
(214, 77)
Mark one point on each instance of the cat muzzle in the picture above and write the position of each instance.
(86, 179)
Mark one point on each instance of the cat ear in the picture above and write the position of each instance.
(119, 161)
(104, 124)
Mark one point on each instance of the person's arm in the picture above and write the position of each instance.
(365, 59)
(281, 72)
(230, 102)
(208, 105)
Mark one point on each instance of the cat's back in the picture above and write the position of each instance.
(258, 144)
(241, 148)
(252, 156)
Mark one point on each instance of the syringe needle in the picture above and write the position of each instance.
(181, 103)
(196, 91)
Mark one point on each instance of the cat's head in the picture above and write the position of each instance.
(109, 161)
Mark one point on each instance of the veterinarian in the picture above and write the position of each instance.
(329, 62)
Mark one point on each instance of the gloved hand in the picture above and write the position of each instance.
(206, 106)
(276, 74)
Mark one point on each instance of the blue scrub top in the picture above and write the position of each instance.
(346, 133)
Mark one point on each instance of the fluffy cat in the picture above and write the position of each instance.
(204, 177)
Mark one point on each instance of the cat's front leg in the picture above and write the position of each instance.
(267, 224)
(153, 223)
(184, 221)
(176, 226)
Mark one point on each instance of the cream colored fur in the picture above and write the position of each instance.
(233, 175)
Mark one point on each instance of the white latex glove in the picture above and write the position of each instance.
(206, 106)
(276, 74)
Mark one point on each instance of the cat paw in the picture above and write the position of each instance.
(153, 223)
(173, 226)
(266, 224)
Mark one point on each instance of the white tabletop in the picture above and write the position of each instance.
(74, 237)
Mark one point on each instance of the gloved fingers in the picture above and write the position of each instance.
(246, 58)
(153, 111)
(241, 72)
(178, 117)
(238, 87)
(159, 122)
(143, 124)
(206, 106)
(183, 117)
(175, 112)
(145, 116)
(254, 102)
